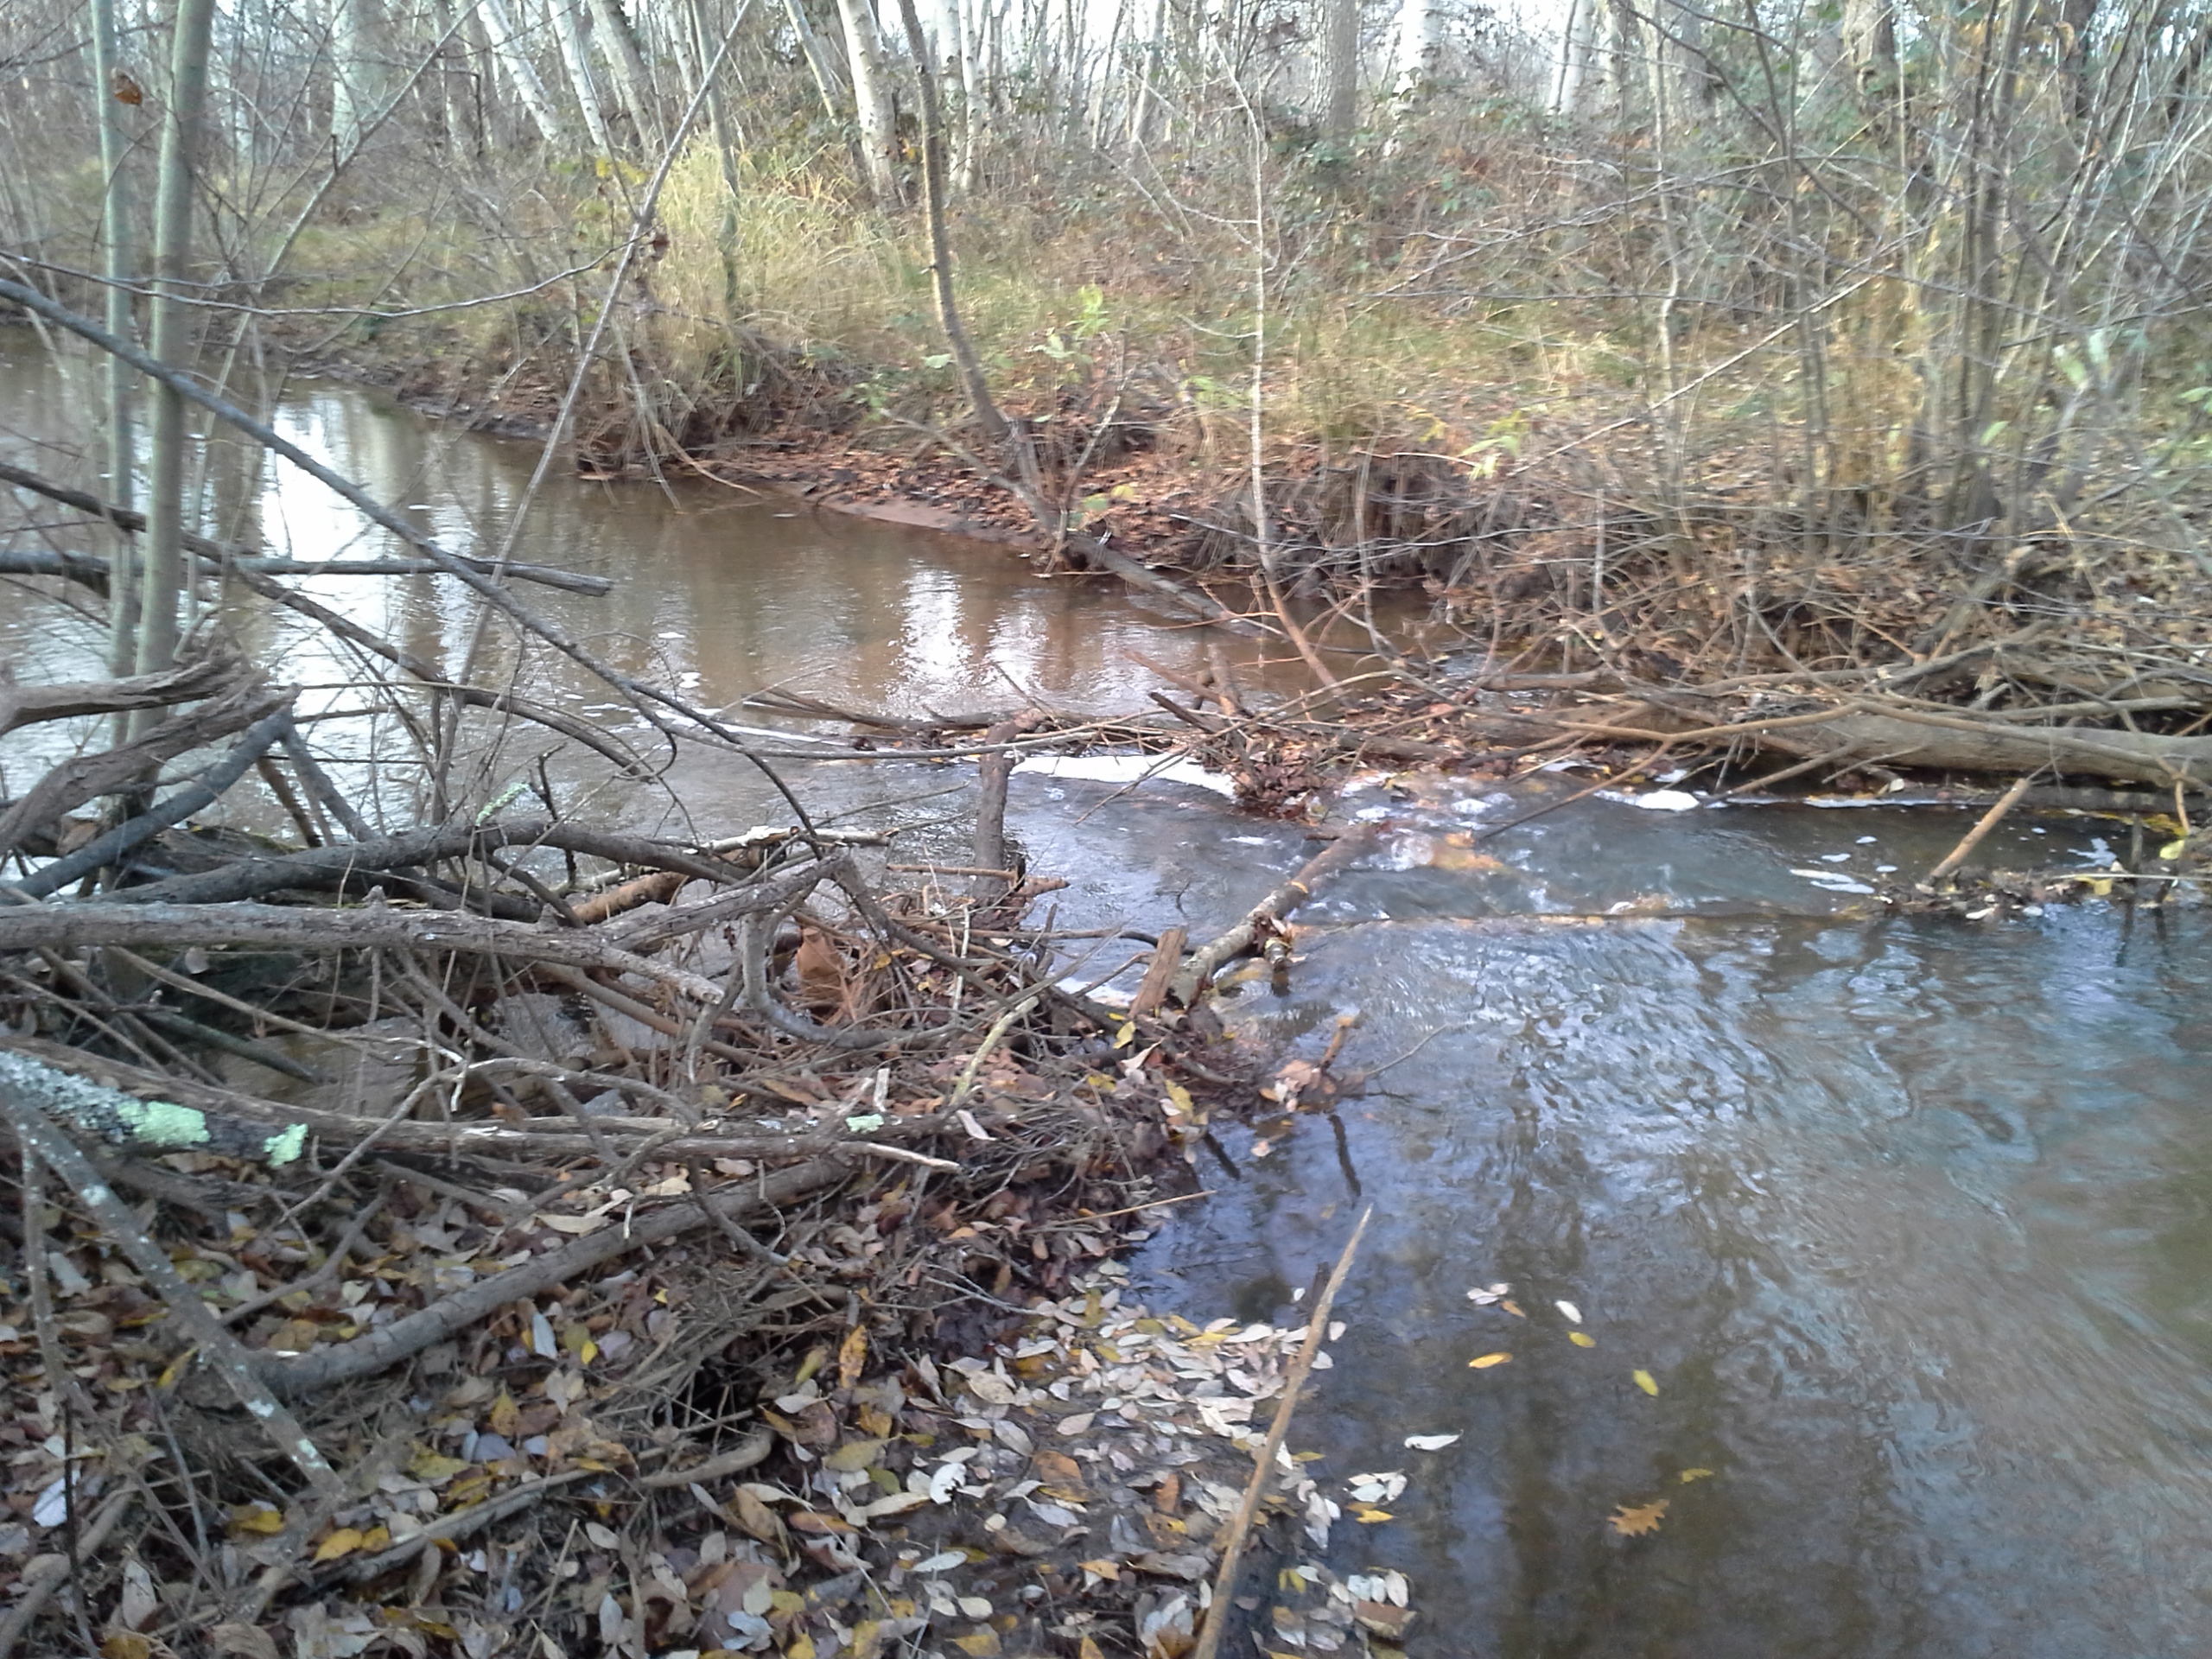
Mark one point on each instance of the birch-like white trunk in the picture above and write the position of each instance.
(118, 262)
(522, 74)
(356, 89)
(873, 108)
(1419, 30)
(576, 58)
(633, 84)
(171, 335)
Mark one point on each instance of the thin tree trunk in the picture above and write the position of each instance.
(119, 263)
(963, 353)
(355, 90)
(172, 332)
(872, 105)
(507, 47)
(1340, 66)
(1417, 45)
(633, 82)
(576, 59)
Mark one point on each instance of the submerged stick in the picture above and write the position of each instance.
(1240, 1525)
(1973, 837)
(1210, 956)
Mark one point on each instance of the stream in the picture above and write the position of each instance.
(1907, 1222)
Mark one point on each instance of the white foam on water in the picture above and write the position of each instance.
(1127, 769)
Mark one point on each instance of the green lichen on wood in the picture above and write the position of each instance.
(123, 1119)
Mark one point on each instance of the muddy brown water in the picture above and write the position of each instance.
(1908, 1221)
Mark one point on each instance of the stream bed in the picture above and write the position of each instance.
(1907, 1222)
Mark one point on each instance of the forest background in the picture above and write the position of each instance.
(1762, 334)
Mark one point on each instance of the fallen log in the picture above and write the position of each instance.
(202, 792)
(1944, 742)
(356, 862)
(1193, 602)
(147, 1113)
(27, 705)
(267, 927)
(36, 815)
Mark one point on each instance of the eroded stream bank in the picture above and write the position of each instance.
(1905, 1219)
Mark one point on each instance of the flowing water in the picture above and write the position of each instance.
(1907, 1222)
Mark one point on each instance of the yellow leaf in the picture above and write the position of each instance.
(1689, 1475)
(810, 1365)
(1634, 1523)
(343, 1542)
(852, 1456)
(1645, 1381)
(984, 1644)
(1582, 1339)
(758, 1518)
(802, 1647)
(1483, 1361)
(434, 1468)
(1105, 1567)
(852, 1354)
(1370, 1513)
(260, 1517)
(1513, 1307)
(1180, 1096)
(2173, 850)
(126, 1644)
(293, 1336)
(1088, 1649)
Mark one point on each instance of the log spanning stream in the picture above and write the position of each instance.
(1907, 1222)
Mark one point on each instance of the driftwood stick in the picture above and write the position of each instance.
(33, 815)
(86, 567)
(1207, 959)
(142, 1126)
(261, 927)
(173, 1113)
(1972, 839)
(292, 1376)
(1240, 1525)
(25, 1111)
(1153, 987)
(27, 705)
(195, 797)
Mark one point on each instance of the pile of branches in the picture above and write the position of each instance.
(575, 1141)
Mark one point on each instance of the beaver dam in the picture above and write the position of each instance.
(739, 1086)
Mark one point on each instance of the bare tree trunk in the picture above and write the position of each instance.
(872, 104)
(577, 59)
(1340, 66)
(1870, 46)
(118, 262)
(963, 352)
(632, 83)
(172, 331)
(826, 79)
(1416, 52)
(545, 114)
(355, 90)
